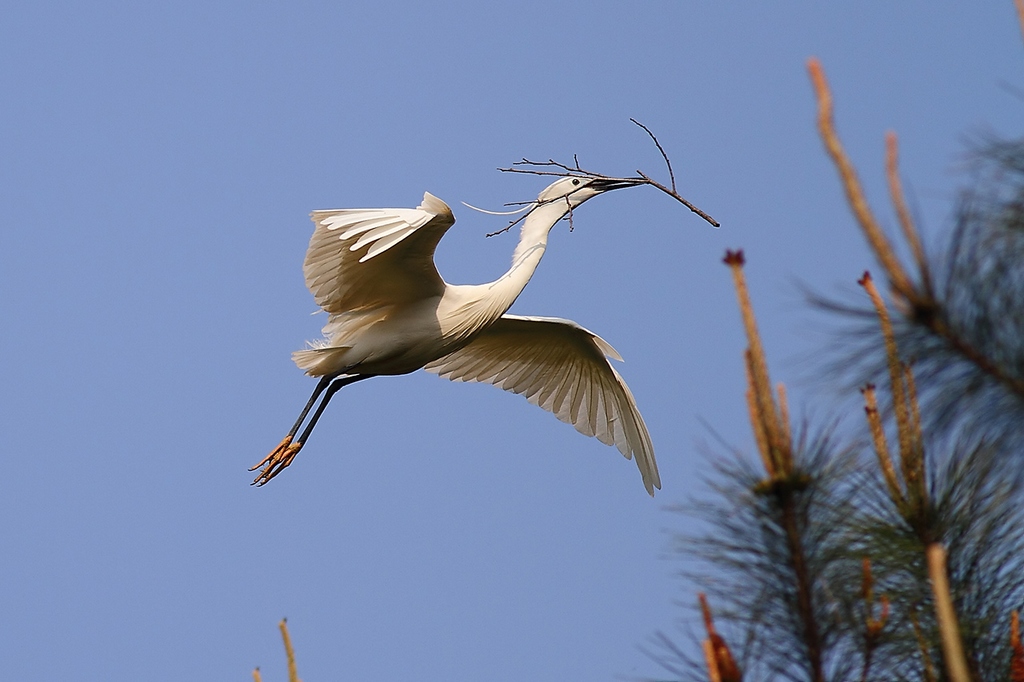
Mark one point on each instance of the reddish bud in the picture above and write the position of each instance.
(734, 258)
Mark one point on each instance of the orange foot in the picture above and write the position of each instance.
(276, 462)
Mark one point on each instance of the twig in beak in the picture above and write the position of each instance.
(558, 169)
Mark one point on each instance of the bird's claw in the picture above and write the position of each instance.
(276, 462)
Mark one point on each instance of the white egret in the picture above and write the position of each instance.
(372, 271)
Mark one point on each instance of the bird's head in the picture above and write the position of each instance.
(577, 189)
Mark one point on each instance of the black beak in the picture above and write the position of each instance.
(608, 184)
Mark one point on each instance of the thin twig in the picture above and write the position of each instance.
(896, 379)
(564, 170)
(882, 447)
(764, 400)
(671, 175)
(672, 193)
(854, 192)
(899, 203)
(779, 461)
(508, 227)
(927, 311)
(521, 218)
(293, 674)
(916, 465)
(755, 422)
(804, 588)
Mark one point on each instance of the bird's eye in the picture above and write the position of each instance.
(575, 181)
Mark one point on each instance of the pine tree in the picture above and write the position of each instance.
(899, 557)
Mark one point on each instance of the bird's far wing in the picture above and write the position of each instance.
(369, 256)
(563, 368)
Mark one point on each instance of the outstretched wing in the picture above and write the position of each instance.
(360, 257)
(563, 368)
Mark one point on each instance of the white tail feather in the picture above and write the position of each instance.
(317, 362)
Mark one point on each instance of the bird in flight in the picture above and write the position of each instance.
(390, 313)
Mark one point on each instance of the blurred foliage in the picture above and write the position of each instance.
(898, 556)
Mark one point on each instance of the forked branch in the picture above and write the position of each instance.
(574, 170)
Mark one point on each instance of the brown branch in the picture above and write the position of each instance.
(558, 169)
(563, 172)
(969, 352)
(293, 674)
(675, 195)
(915, 465)
(851, 184)
(949, 629)
(903, 428)
(891, 352)
(881, 446)
(767, 414)
(507, 227)
(721, 665)
(709, 659)
(804, 593)
(755, 422)
(899, 202)
(671, 175)
(924, 307)
(779, 462)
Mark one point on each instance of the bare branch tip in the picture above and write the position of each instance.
(668, 164)
(817, 75)
(558, 169)
(709, 623)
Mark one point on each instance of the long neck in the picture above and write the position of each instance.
(533, 242)
(477, 306)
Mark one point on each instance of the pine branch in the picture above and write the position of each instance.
(293, 674)
(965, 327)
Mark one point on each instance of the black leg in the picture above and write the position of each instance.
(320, 386)
(334, 387)
(281, 456)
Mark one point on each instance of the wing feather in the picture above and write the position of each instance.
(363, 257)
(563, 368)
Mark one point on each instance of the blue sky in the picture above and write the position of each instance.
(157, 166)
